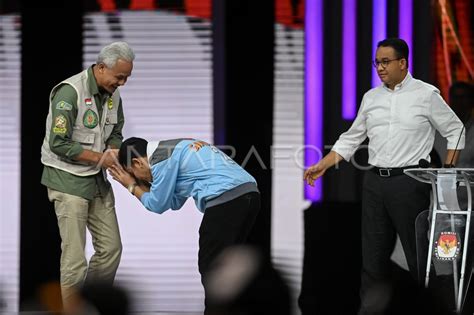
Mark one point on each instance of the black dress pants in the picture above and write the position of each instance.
(223, 226)
(390, 205)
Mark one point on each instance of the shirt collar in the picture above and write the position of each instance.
(402, 84)
(150, 148)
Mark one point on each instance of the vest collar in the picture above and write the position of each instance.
(91, 81)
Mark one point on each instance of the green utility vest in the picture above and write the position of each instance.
(88, 131)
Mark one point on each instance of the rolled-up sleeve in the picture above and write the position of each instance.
(350, 140)
(64, 113)
(446, 122)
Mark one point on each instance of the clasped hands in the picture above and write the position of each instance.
(109, 160)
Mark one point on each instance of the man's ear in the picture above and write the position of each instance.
(136, 162)
(101, 67)
(403, 62)
(139, 162)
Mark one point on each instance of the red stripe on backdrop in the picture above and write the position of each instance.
(287, 12)
(142, 5)
(459, 12)
(199, 8)
(463, 10)
(288, 15)
(107, 5)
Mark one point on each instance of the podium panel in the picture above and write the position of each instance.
(444, 237)
(446, 255)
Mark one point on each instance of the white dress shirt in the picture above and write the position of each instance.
(401, 124)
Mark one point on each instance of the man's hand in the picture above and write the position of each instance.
(314, 172)
(109, 158)
(121, 175)
(317, 170)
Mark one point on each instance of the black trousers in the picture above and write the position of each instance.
(225, 225)
(390, 205)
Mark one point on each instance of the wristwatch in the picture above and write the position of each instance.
(131, 188)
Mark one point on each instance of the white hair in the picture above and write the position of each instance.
(114, 51)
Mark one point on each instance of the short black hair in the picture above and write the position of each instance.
(398, 44)
(132, 148)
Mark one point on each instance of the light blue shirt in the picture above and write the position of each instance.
(203, 174)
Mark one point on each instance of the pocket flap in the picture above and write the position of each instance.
(83, 137)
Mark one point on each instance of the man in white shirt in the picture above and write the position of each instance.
(400, 118)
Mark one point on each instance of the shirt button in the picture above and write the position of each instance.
(107, 120)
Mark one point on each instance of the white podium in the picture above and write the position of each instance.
(443, 231)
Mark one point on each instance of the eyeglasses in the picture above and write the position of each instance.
(384, 62)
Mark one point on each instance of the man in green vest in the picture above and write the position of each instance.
(83, 131)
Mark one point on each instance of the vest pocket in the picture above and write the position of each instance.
(84, 138)
(111, 118)
(110, 121)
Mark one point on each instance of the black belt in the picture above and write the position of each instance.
(390, 171)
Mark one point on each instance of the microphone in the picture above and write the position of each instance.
(422, 163)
